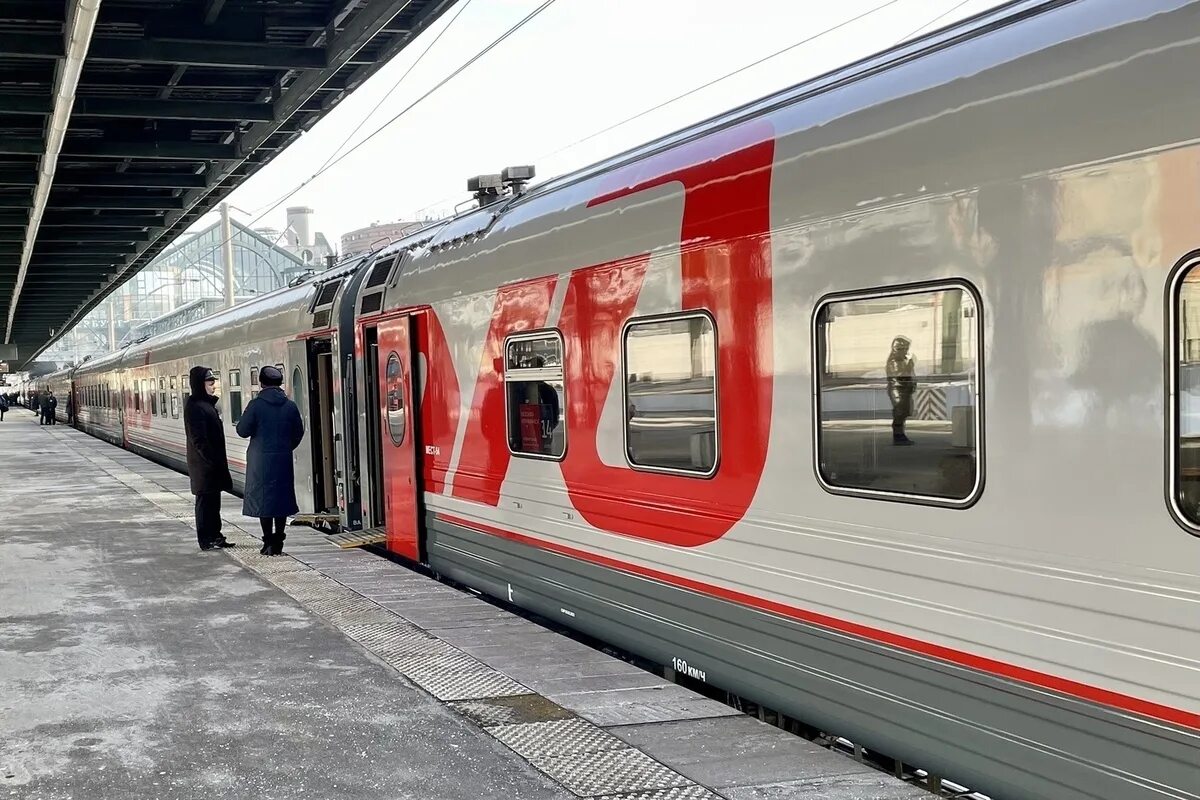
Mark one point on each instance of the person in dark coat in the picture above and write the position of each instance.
(208, 467)
(47, 405)
(274, 427)
(3, 406)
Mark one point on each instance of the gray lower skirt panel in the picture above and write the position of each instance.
(1004, 738)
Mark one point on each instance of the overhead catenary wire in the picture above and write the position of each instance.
(379, 103)
(396, 84)
(715, 81)
(330, 164)
(933, 21)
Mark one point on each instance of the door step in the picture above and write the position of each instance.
(325, 523)
(359, 538)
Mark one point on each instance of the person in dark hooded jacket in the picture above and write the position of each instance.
(208, 466)
(274, 427)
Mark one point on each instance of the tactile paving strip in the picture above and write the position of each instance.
(342, 602)
(556, 738)
(674, 793)
(466, 685)
(398, 650)
(434, 663)
(611, 772)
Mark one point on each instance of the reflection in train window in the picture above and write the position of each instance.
(235, 395)
(671, 394)
(535, 395)
(298, 388)
(397, 418)
(1187, 396)
(898, 398)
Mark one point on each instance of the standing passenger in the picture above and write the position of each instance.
(274, 427)
(3, 406)
(52, 402)
(208, 466)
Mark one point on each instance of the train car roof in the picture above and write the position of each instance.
(448, 267)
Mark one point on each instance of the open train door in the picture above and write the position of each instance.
(401, 484)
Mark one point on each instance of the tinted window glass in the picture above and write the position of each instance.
(671, 394)
(898, 393)
(536, 395)
(396, 418)
(1187, 379)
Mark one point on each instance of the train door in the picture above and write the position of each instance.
(401, 486)
(302, 457)
(373, 441)
(324, 478)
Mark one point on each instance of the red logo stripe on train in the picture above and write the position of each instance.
(726, 270)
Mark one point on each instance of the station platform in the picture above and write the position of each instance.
(133, 665)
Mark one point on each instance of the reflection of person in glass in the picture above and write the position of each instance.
(901, 383)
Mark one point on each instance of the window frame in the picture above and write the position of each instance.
(815, 342)
(1172, 484)
(623, 365)
(540, 333)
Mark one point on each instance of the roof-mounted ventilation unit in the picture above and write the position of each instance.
(487, 188)
(516, 179)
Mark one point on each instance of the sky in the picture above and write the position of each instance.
(577, 68)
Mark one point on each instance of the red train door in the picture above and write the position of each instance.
(401, 485)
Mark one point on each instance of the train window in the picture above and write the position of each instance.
(898, 394)
(671, 394)
(235, 395)
(162, 396)
(254, 376)
(535, 395)
(137, 396)
(298, 388)
(184, 389)
(153, 401)
(1185, 391)
(397, 419)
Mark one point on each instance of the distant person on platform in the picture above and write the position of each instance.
(274, 427)
(3, 406)
(207, 464)
(49, 403)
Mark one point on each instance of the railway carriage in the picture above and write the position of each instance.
(873, 401)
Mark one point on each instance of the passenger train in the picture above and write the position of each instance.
(874, 401)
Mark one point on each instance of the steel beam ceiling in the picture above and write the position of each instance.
(177, 103)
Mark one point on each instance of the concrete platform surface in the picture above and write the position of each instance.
(132, 665)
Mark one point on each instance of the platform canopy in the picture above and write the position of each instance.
(123, 121)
